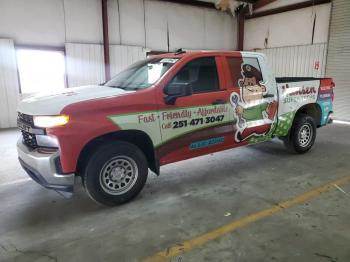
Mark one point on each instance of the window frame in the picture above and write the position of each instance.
(148, 59)
(40, 48)
(196, 58)
(231, 82)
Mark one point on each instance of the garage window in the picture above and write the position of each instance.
(40, 70)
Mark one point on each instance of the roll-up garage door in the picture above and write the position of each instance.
(338, 57)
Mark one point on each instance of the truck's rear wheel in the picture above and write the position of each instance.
(302, 134)
(115, 173)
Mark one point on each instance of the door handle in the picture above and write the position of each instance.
(268, 95)
(218, 102)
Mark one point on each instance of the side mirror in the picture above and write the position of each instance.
(175, 90)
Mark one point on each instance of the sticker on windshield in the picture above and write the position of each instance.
(169, 60)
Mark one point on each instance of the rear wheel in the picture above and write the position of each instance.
(115, 173)
(302, 134)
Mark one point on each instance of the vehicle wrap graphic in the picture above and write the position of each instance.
(294, 95)
(252, 115)
(146, 121)
(165, 125)
(207, 142)
(284, 124)
(254, 107)
(206, 126)
(179, 122)
(324, 99)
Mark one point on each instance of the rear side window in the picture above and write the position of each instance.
(236, 64)
(201, 73)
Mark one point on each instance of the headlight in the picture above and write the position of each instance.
(50, 121)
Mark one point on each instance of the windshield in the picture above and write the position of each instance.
(142, 74)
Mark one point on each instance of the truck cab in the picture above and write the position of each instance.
(161, 110)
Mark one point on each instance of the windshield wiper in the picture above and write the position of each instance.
(136, 88)
(120, 87)
(128, 88)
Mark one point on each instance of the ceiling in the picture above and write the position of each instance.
(215, 1)
(226, 5)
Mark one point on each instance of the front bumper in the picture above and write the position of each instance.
(43, 169)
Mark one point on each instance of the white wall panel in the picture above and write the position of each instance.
(288, 28)
(51, 22)
(298, 61)
(189, 27)
(229, 31)
(156, 25)
(123, 56)
(113, 22)
(186, 28)
(38, 22)
(323, 13)
(132, 22)
(220, 30)
(83, 21)
(85, 64)
(8, 84)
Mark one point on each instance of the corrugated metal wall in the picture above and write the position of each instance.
(148, 22)
(298, 61)
(84, 64)
(122, 56)
(338, 58)
(9, 90)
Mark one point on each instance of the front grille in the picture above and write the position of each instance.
(29, 139)
(26, 119)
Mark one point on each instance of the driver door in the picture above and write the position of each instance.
(199, 123)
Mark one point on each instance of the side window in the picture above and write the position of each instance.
(201, 73)
(236, 66)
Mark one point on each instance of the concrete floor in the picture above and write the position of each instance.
(189, 198)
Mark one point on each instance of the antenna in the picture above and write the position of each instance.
(179, 51)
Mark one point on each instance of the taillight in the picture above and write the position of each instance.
(332, 85)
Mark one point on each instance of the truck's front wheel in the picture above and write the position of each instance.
(115, 173)
(302, 134)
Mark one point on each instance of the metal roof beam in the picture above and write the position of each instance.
(287, 8)
(193, 3)
(261, 3)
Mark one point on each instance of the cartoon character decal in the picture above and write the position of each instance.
(254, 108)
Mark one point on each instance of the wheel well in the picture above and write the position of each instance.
(312, 110)
(136, 137)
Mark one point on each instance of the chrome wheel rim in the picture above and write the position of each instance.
(305, 135)
(118, 175)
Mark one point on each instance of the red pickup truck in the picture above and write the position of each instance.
(161, 110)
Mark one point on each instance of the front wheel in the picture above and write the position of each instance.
(302, 134)
(115, 173)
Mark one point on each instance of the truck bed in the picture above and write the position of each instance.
(296, 79)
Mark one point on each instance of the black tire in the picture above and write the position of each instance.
(109, 167)
(302, 134)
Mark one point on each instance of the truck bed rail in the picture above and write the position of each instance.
(297, 79)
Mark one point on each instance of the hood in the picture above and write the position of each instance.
(53, 103)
